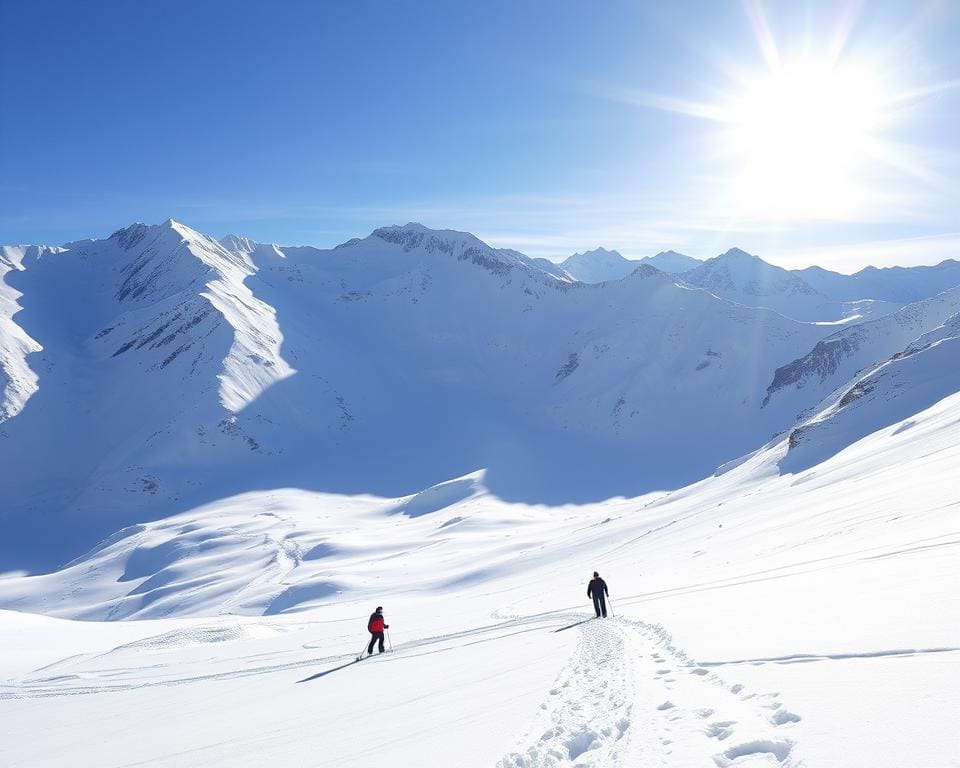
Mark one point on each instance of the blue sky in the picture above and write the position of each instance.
(549, 127)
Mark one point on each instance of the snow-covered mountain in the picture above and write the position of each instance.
(598, 266)
(269, 441)
(17, 381)
(840, 357)
(601, 265)
(905, 284)
(160, 369)
(739, 276)
(671, 262)
(176, 369)
(910, 382)
(895, 285)
(747, 279)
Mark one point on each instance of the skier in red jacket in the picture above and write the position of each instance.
(375, 627)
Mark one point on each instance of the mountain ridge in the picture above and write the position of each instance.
(176, 370)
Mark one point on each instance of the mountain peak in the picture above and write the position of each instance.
(598, 266)
(672, 262)
(598, 254)
(740, 255)
(414, 235)
(129, 236)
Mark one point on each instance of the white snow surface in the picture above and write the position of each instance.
(269, 442)
(760, 619)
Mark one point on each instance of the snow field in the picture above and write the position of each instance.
(761, 620)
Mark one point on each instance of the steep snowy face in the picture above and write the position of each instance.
(672, 262)
(238, 244)
(17, 380)
(142, 343)
(179, 287)
(833, 361)
(916, 378)
(598, 266)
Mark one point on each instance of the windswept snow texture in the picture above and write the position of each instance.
(177, 370)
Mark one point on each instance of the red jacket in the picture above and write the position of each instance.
(376, 623)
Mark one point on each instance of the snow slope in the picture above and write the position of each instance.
(760, 618)
(835, 360)
(927, 371)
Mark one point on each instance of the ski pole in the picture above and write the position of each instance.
(610, 603)
(361, 652)
(389, 641)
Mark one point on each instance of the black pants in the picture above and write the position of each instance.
(374, 636)
(600, 605)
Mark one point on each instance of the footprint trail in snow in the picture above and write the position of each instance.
(589, 708)
(628, 697)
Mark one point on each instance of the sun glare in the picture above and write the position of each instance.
(798, 138)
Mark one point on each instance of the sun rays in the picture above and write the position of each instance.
(814, 131)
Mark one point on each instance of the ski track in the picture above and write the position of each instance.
(629, 697)
(93, 674)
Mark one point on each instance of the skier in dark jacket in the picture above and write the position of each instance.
(597, 589)
(375, 627)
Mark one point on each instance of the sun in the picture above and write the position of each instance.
(799, 137)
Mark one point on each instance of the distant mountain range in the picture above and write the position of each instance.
(813, 293)
(161, 368)
(601, 265)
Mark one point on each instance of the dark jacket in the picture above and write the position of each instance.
(376, 623)
(597, 587)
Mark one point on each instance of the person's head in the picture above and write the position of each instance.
(596, 575)
(379, 609)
